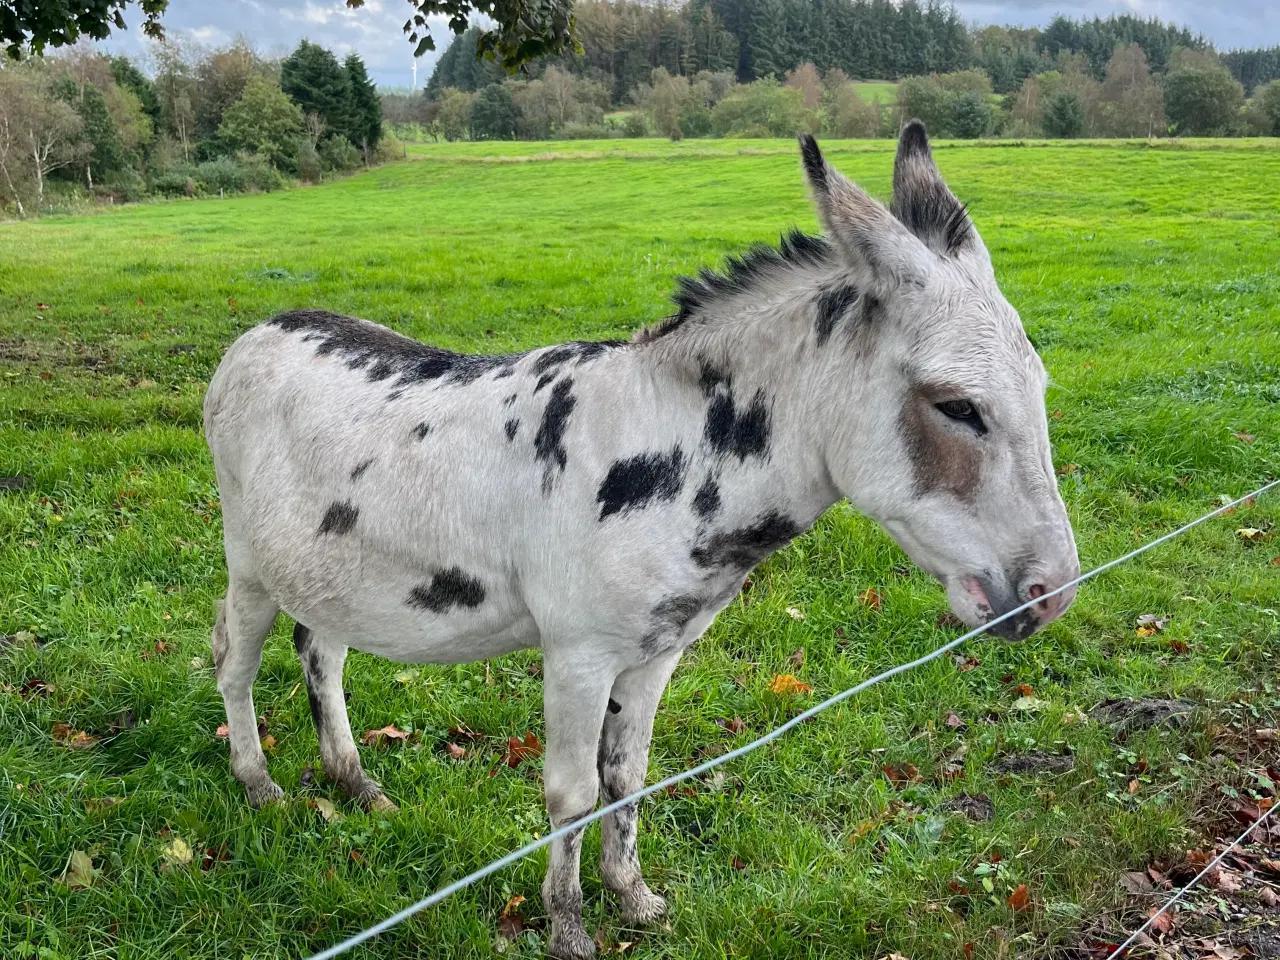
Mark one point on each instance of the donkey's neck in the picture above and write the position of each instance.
(750, 365)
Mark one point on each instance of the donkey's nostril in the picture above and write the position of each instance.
(1037, 590)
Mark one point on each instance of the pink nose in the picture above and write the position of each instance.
(1052, 607)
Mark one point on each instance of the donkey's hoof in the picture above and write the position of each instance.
(263, 792)
(571, 944)
(378, 803)
(641, 906)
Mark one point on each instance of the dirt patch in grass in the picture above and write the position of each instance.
(975, 806)
(1127, 715)
(1035, 762)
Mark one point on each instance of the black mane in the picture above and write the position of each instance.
(739, 275)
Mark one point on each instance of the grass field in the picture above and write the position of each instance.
(885, 91)
(1147, 278)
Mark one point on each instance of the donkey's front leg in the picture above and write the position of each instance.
(623, 761)
(575, 694)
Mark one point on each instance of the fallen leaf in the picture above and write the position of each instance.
(213, 856)
(177, 854)
(99, 804)
(520, 750)
(406, 676)
(870, 597)
(509, 928)
(455, 751)
(1244, 437)
(893, 956)
(1161, 924)
(1025, 690)
(1275, 561)
(222, 731)
(734, 726)
(1179, 647)
(794, 613)
(1136, 882)
(79, 873)
(784, 684)
(1067, 468)
(269, 744)
(797, 658)
(35, 687)
(387, 734)
(1056, 415)
(739, 865)
(72, 739)
(325, 808)
(1019, 899)
(1267, 897)
(965, 664)
(466, 734)
(1228, 882)
(902, 774)
(512, 904)
(953, 721)
(1134, 787)
(42, 306)
(1250, 534)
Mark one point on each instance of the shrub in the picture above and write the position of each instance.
(494, 113)
(220, 176)
(259, 173)
(635, 126)
(264, 121)
(389, 148)
(585, 131)
(1063, 115)
(307, 162)
(338, 153)
(1267, 100)
(971, 115)
(1202, 102)
(766, 105)
(125, 185)
(849, 116)
(175, 183)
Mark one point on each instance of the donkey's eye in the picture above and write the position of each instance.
(963, 411)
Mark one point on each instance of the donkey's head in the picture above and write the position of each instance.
(952, 456)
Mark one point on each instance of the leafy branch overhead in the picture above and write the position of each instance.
(525, 29)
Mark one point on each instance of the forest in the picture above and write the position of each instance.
(776, 67)
(83, 127)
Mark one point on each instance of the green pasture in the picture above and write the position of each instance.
(1148, 279)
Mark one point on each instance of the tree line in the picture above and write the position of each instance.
(84, 126)
(703, 69)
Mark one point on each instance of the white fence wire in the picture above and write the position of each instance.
(502, 862)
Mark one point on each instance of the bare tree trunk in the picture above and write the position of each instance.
(88, 172)
(22, 214)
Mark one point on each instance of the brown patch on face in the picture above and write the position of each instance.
(942, 458)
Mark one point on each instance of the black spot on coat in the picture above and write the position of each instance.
(640, 480)
(448, 589)
(311, 672)
(706, 502)
(360, 468)
(421, 430)
(832, 304)
(669, 619)
(548, 443)
(510, 399)
(339, 518)
(745, 547)
(614, 706)
(545, 379)
(510, 427)
(383, 353)
(743, 433)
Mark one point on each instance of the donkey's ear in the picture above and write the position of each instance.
(879, 249)
(922, 201)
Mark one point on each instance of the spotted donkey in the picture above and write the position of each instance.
(603, 501)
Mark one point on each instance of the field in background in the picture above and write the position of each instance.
(886, 91)
(1145, 276)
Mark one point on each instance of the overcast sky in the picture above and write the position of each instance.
(375, 30)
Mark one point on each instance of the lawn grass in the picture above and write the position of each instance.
(884, 91)
(1147, 278)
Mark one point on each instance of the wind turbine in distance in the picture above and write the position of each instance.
(415, 73)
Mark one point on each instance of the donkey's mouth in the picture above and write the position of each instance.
(990, 602)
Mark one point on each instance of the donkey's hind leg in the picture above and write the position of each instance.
(623, 760)
(244, 620)
(322, 659)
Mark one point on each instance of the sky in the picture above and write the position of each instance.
(375, 31)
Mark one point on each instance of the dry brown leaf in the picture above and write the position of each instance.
(1161, 925)
(797, 658)
(79, 872)
(1019, 900)
(784, 684)
(223, 731)
(965, 664)
(1267, 897)
(1251, 534)
(902, 774)
(1136, 882)
(520, 750)
(870, 597)
(953, 721)
(388, 734)
(269, 744)
(512, 904)
(1228, 882)
(64, 734)
(1134, 786)
(325, 808)
(177, 854)
(455, 751)
(1024, 690)
(1244, 437)
(734, 726)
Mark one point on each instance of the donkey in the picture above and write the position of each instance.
(604, 501)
